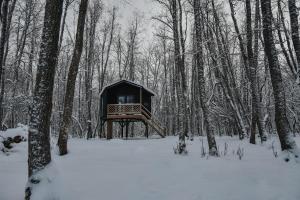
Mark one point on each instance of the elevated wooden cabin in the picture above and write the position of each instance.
(125, 102)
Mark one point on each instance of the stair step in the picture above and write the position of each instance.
(156, 127)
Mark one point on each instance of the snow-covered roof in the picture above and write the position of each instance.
(130, 83)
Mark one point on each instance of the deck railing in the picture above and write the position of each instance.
(135, 109)
(119, 109)
(127, 109)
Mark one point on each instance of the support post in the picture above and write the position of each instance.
(127, 126)
(121, 123)
(101, 128)
(146, 130)
(109, 129)
(132, 130)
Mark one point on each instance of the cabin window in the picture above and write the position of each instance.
(130, 99)
(126, 99)
(121, 99)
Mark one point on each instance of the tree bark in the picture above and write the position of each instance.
(295, 33)
(71, 82)
(201, 79)
(4, 15)
(180, 79)
(65, 12)
(283, 130)
(257, 116)
(89, 72)
(226, 75)
(4, 8)
(288, 57)
(39, 155)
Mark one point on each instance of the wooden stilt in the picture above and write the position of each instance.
(122, 130)
(109, 129)
(127, 127)
(132, 130)
(146, 130)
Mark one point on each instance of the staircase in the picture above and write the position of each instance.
(156, 126)
(151, 121)
(135, 111)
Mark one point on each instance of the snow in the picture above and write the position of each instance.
(21, 130)
(50, 186)
(149, 170)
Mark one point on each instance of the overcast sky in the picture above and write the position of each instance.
(127, 8)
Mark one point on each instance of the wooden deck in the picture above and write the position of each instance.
(127, 109)
(134, 111)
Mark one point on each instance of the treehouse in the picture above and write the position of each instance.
(125, 102)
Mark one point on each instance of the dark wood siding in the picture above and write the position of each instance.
(146, 100)
(129, 93)
(124, 92)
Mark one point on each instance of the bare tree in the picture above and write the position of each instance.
(63, 23)
(295, 33)
(95, 13)
(287, 52)
(105, 59)
(39, 155)
(282, 124)
(226, 75)
(250, 64)
(201, 79)
(105, 55)
(179, 59)
(70, 89)
(4, 7)
(257, 118)
(4, 15)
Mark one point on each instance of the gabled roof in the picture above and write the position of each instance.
(129, 83)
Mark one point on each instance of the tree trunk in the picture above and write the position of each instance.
(257, 116)
(180, 79)
(201, 79)
(73, 70)
(39, 155)
(288, 57)
(295, 33)
(283, 130)
(4, 7)
(104, 63)
(4, 14)
(65, 12)
(226, 75)
(94, 17)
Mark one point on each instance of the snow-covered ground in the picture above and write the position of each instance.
(149, 170)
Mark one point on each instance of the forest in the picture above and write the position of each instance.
(224, 74)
